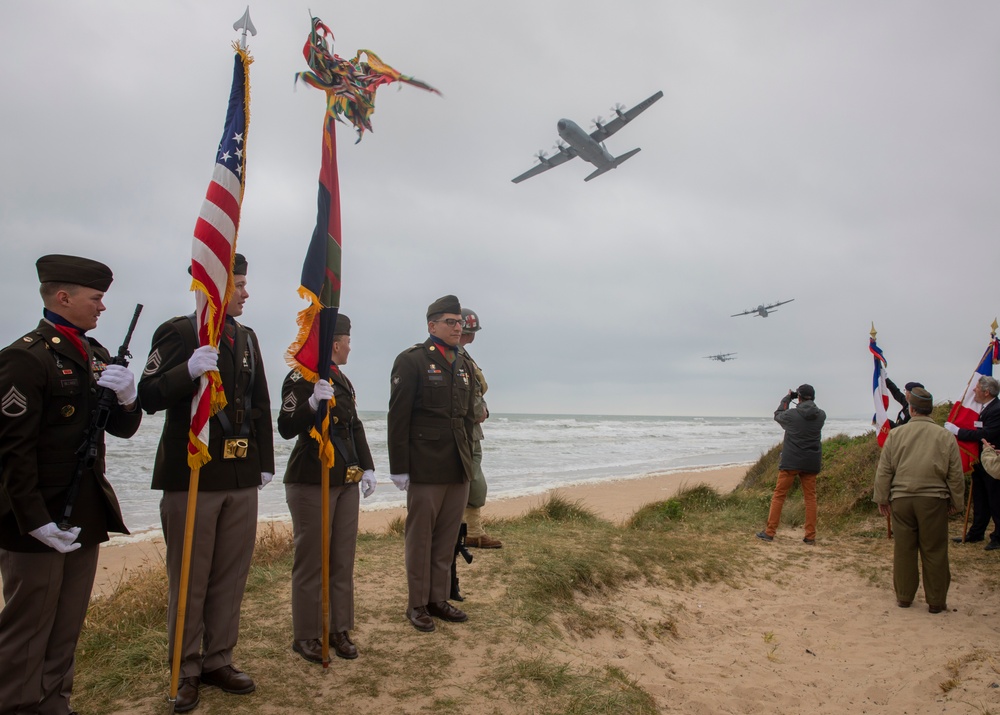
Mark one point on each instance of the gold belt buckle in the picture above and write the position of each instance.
(235, 448)
(354, 474)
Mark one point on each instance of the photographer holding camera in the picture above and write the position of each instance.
(801, 456)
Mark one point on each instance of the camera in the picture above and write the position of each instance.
(794, 395)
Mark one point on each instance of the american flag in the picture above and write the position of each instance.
(213, 249)
(964, 414)
(880, 391)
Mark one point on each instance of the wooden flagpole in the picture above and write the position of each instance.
(182, 589)
(325, 550)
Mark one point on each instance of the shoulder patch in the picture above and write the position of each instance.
(153, 363)
(395, 379)
(14, 403)
(290, 403)
(295, 376)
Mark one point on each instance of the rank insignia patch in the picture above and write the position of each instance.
(13, 404)
(290, 403)
(153, 363)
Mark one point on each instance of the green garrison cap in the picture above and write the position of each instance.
(56, 268)
(444, 304)
(239, 265)
(343, 326)
(919, 397)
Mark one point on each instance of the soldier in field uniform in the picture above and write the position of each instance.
(48, 396)
(430, 433)
(241, 445)
(353, 465)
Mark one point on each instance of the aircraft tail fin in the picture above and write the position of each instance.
(613, 165)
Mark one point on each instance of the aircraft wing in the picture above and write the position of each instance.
(606, 130)
(564, 155)
(780, 302)
(745, 312)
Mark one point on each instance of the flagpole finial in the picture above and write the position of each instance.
(873, 333)
(994, 325)
(246, 26)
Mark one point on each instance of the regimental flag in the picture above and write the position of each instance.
(880, 391)
(965, 413)
(213, 249)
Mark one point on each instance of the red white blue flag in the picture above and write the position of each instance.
(213, 250)
(965, 414)
(880, 392)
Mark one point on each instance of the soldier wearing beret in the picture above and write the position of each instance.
(241, 447)
(353, 464)
(48, 394)
(431, 423)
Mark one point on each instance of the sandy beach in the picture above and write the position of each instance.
(614, 500)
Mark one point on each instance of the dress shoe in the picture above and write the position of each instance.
(960, 540)
(344, 646)
(420, 619)
(229, 680)
(187, 694)
(811, 542)
(904, 604)
(992, 546)
(937, 609)
(483, 542)
(762, 535)
(311, 650)
(446, 612)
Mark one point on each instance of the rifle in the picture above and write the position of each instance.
(460, 548)
(87, 452)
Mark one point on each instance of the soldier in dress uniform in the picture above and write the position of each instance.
(477, 536)
(430, 457)
(353, 464)
(241, 447)
(48, 394)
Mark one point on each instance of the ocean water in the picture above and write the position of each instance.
(522, 454)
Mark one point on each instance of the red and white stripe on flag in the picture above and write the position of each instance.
(965, 414)
(880, 391)
(213, 250)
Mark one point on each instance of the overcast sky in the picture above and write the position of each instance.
(841, 153)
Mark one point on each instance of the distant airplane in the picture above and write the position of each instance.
(589, 147)
(763, 310)
(721, 357)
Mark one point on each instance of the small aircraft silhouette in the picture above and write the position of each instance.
(589, 147)
(762, 310)
(721, 357)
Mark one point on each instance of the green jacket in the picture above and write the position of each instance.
(920, 459)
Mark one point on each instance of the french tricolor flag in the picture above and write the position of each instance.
(880, 392)
(964, 414)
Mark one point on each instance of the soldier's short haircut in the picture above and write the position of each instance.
(921, 410)
(990, 384)
(434, 317)
(49, 289)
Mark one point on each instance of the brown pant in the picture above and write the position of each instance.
(786, 478)
(920, 525)
(46, 602)
(433, 517)
(307, 576)
(224, 534)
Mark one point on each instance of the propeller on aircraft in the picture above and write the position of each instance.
(541, 155)
(618, 109)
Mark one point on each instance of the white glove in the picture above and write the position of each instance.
(265, 479)
(953, 428)
(54, 537)
(402, 481)
(204, 359)
(122, 381)
(322, 390)
(368, 483)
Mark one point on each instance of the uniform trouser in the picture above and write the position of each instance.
(985, 505)
(224, 535)
(307, 568)
(477, 493)
(433, 517)
(786, 477)
(46, 602)
(920, 525)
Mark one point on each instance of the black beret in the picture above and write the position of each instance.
(343, 326)
(56, 268)
(806, 392)
(919, 397)
(444, 304)
(910, 385)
